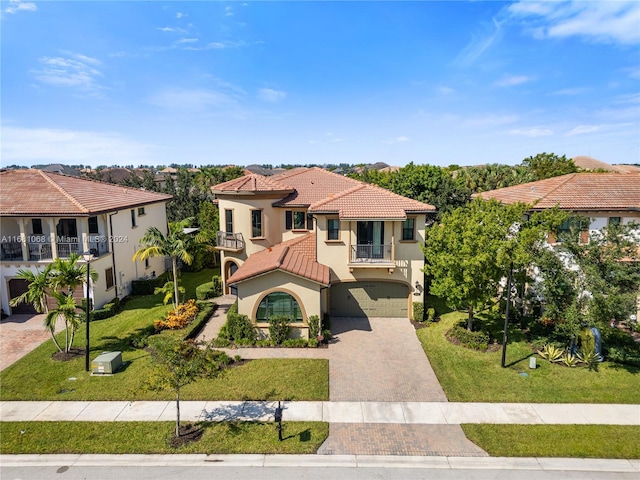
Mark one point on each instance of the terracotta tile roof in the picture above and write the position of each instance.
(37, 193)
(296, 256)
(250, 184)
(312, 185)
(369, 201)
(588, 163)
(576, 191)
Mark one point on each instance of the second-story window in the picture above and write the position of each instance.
(228, 221)
(409, 229)
(36, 223)
(614, 221)
(298, 220)
(256, 223)
(333, 229)
(93, 225)
(133, 218)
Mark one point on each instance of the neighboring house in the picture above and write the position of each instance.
(310, 242)
(44, 216)
(588, 163)
(604, 198)
(62, 170)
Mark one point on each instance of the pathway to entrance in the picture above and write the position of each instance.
(21, 333)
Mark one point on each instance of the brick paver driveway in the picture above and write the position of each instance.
(19, 334)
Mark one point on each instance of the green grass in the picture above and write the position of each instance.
(472, 376)
(38, 377)
(154, 437)
(577, 441)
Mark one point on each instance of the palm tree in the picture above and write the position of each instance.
(176, 244)
(67, 311)
(38, 290)
(68, 274)
(167, 289)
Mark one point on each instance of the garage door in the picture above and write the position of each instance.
(16, 288)
(369, 299)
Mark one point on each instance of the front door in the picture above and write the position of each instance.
(231, 269)
(370, 239)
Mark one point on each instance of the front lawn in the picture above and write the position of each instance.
(38, 377)
(154, 437)
(576, 441)
(472, 376)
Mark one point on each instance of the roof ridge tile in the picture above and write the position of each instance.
(63, 191)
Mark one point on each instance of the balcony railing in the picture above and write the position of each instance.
(371, 254)
(40, 251)
(230, 241)
(98, 245)
(12, 251)
(65, 249)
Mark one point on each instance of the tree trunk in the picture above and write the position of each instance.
(470, 319)
(66, 336)
(174, 263)
(178, 412)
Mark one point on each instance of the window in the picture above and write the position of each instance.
(279, 304)
(228, 221)
(146, 263)
(140, 211)
(614, 220)
(108, 275)
(409, 229)
(36, 223)
(256, 223)
(298, 220)
(93, 225)
(133, 218)
(333, 229)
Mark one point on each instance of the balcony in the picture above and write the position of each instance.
(371, 256)
(39, 251)
(65, 249)
(98, 245)
(229, 242)
(11, 251)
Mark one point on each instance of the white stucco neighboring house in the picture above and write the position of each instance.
(45, 215)
(310, 242)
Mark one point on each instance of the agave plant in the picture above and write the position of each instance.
(590, 358)
(551, 353)
(569, 359)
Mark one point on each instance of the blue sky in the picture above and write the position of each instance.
(318, 82)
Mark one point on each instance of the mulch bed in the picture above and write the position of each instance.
(189, 433)
(72, 354)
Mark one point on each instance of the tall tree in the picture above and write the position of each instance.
(176, 245)
(68, 274)
(474, 247)
(547, 165)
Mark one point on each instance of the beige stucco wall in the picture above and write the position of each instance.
(306, 292)
(409, 258)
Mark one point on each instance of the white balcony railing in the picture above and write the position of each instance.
(230, 241)
(369, 254)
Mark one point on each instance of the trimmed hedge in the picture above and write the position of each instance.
(108, 310)
(193, 329)
(217, 286)
(418, 311)
(472, 340)
(146, 287)
(205, 291)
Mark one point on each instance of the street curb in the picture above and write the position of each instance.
(343, 461)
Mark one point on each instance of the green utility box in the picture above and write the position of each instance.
(107, 363)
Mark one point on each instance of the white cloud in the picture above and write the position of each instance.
(73, 70)
(444, 90)
(513, 80)
(180, 15)
(193, 100)
(187, 40)
(610, 21)
(228, 11)
(270, 95)
(16, 6)
(171, 29)
(571, 91)
(26, 146)
(479, 44)
(531, 132)
(582, 129)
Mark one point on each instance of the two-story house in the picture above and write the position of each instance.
(310, 242)
(44, 216)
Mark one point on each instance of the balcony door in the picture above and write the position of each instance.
(370, 240)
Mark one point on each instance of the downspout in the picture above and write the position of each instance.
(113, 253)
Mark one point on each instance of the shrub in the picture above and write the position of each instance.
(326, 335)
(179, 318)
(233, 308)
(314, 326)
(295, 343)
(469, 339)
(146, 287)
(569, 359)
(418, 311)
(141, 339)
(206, 309)
(278, 329)
(217, 286)
(239, 327)
(108, 310)
(551, 353)
(627, 355)
(205, 291)
(313, 342)
(431, 314)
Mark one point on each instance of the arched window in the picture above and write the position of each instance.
(279, 304)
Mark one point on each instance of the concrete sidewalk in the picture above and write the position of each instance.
(430, 413)
(344, 461)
